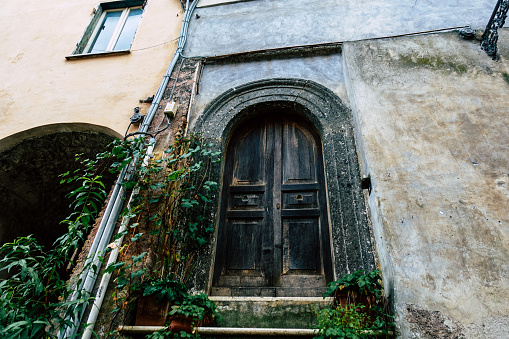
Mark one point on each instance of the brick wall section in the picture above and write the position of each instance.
(180, 92)
(179, 89)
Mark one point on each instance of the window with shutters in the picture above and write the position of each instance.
(112, 28)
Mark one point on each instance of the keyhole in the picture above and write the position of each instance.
(245, 198)
(299, 197)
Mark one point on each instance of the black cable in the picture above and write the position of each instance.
(127, 130)
(161, 130)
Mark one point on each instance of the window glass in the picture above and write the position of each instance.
(105, 32)
(126, 36)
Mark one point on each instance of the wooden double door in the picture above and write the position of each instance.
(273, 237)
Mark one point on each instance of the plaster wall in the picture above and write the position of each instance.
(234, 27)
(215, 79)
(38, 86)
(431, 113)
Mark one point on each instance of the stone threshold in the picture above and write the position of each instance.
(236, 331)
(273, 332)
(273, 299)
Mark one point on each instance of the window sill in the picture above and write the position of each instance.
(96, 55)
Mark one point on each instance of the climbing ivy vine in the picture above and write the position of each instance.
(33, 287)
(168, 215)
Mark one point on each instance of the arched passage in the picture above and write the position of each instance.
(324, 112)
(33, 200)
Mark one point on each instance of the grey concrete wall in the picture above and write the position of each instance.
(326, 70)
(431, 117)
(431, 113)
(263, 24)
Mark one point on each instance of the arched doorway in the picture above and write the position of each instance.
(321, 113)
(274, 236)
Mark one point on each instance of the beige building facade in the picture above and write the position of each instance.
(72, 74)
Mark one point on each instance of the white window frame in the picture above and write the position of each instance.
(116, 32)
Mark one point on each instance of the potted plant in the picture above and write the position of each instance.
(359, 287)
(359, 309)
(195, 310)
(157, 295)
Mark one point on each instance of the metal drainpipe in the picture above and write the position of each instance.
(89, 275)
(143, 128)
(101, 291)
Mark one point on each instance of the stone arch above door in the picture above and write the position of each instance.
(350, 232)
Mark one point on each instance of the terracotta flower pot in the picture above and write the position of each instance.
(179, 324)
(353, 296)
(150, 312)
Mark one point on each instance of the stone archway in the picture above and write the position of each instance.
(350, 233)
(33, 200)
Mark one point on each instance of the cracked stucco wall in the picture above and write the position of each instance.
(431, 114)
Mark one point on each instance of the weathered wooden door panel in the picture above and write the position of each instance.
(273, 225)
(249, 158)
(301, 246)
(243, 250)
(299, 152)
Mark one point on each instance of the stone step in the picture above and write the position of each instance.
(258, 333)
(257, 318)
(269, 312)
(226, 332)
(269, 333)
(239, 333)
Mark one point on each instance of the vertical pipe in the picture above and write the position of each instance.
(90, 282)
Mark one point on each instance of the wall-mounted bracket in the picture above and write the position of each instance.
(137, 117)
(366, 183)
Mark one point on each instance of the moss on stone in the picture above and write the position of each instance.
(432, 61)
(506, 77)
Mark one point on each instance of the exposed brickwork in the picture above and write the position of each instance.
(179, 89)
(433, 324)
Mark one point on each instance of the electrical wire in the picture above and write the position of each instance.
(127, 130)
(163, 43)
(152, 134)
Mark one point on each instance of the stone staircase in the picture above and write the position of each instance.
(257, 317)
(264, 317)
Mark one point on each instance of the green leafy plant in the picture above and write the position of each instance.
(165, 334)
(365, 283)
(170, 215)
(342, 322)
(164, 289)
(34, 292)
(359, 309)
(198, 307)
